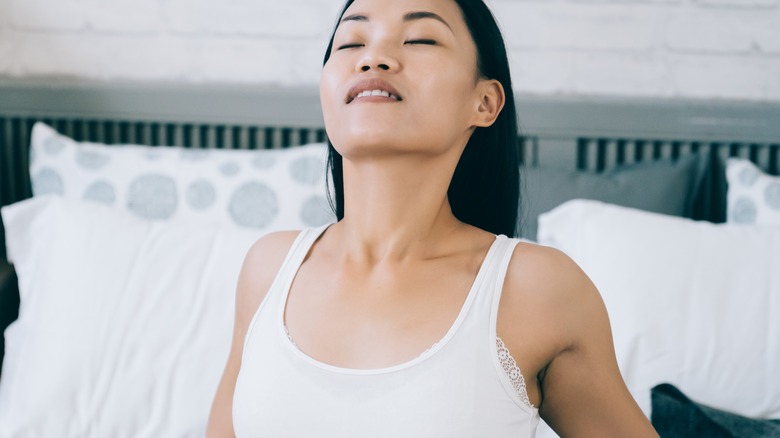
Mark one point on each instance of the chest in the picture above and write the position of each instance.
(347, 317)
(428, 398)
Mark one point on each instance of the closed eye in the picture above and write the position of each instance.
(425, 42)
(350, 46)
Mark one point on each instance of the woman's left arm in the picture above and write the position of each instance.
(584, 392)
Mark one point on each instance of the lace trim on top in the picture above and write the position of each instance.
(505, 358)
(513, 371)
(290, 337)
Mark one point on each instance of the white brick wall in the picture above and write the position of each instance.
(649, 48)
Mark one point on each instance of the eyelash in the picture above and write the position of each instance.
(426, 42)
(349, 46)
(423, 42)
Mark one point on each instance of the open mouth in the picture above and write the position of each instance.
(373, 88)
(369, 93)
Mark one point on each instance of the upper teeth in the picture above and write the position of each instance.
(368, 93)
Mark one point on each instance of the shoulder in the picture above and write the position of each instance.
(545, 287)
(261, 263)
(269, 248)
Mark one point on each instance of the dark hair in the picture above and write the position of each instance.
(485, 189)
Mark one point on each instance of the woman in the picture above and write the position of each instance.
(403, 318)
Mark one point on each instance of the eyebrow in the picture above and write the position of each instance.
(410, 16)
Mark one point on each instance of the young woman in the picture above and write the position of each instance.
(415, 315)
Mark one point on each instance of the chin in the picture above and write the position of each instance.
(364, 139)
(355, 147)
(364, 136)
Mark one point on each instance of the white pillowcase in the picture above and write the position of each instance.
(124, 325)
(261, 189)
(753, 196)
(691, 303)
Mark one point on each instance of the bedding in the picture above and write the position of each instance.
(124, 323)
(676, 416)
(663, 186)
(258, 189)
(693, 304)
(753, 196)
(127, 259)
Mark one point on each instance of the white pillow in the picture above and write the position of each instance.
(691, 303)
(753, 196)
(124, 325)
(261, 189)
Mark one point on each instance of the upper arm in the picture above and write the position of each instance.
(583, 391)
(258, 270)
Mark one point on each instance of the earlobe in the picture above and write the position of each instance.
(490, 104)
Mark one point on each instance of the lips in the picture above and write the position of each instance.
(377, 87)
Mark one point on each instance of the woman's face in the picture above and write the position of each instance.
(418, 58)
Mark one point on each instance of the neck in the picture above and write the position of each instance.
(396, 208)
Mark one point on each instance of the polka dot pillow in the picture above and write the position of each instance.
(753, 196)
(261, 189)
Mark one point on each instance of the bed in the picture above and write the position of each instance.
(659, 201)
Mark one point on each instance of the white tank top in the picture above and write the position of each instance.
(466, 385)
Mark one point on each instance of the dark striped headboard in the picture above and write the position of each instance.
(600, 154)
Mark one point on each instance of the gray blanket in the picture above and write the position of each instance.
(676, 416)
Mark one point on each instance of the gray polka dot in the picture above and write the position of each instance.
(253, 205)
(307, 170)
(263, 162)
(91, 160)
(53, 145)
(201, 194)
(316, 211)
(772, 195)
(152, 196)
(230, 168)
(744, 211)
(100, 191)
(192, 154)
(748, 176)
(47, 181)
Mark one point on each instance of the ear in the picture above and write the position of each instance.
(491, 102)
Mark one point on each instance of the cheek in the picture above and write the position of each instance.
(450, 96)
(328, 92)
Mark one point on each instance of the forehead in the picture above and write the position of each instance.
(394, 10)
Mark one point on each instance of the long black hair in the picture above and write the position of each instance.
(485, 189)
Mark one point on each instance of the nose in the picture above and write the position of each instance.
(377, 58)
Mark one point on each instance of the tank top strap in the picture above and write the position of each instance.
(491, 293)
(298, 251)
(495, 267)
(284, 276)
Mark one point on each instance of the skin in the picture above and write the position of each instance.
(399, 266)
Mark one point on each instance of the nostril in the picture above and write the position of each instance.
(379, 66)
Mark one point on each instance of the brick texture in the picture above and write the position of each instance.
(727, 49)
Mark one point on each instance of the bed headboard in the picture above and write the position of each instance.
(590, 134)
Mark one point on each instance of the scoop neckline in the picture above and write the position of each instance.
(288, 342)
